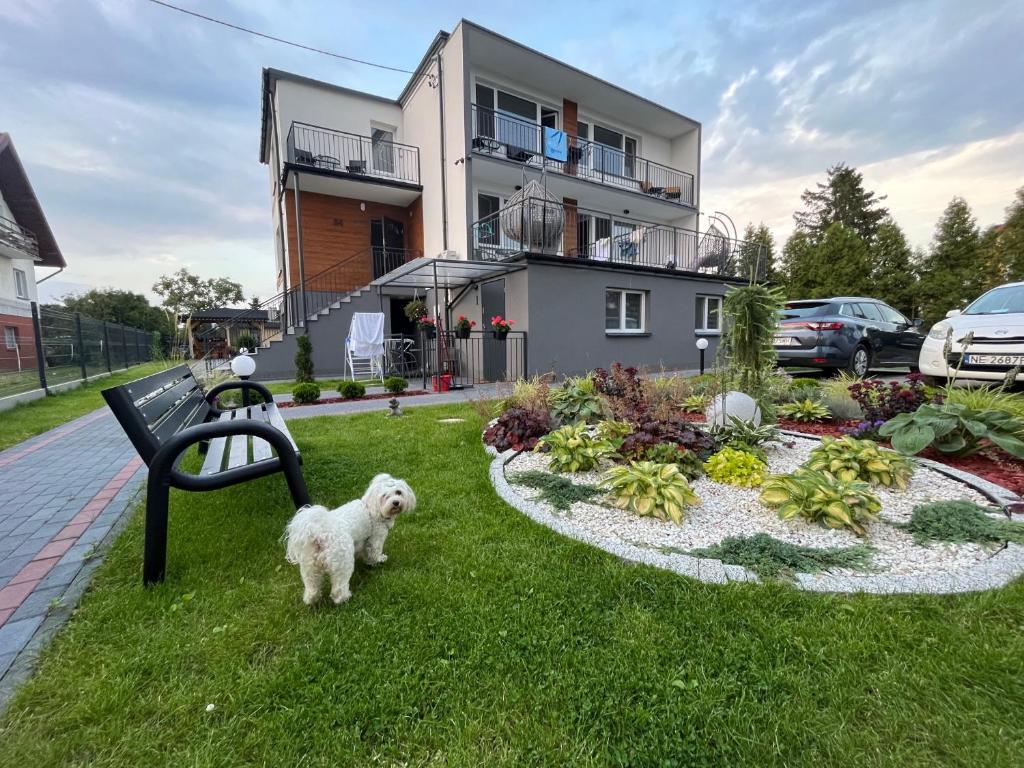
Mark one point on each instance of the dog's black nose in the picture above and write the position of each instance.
(396, 503)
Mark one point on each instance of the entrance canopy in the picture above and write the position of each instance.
(426, 273)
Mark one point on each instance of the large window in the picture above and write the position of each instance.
(21, 283)
(488, 227)
(11, 337)
(624, 311)
(708, 318)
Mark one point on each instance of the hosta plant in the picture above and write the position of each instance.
(851, 459)
(574, 449)
(954, 429)
(735, 467)
(578, 400)
(689, 463)
(518, 428)
(805, 411)
(649, 490)
(695, 403)
(614, 431)
(823, 498)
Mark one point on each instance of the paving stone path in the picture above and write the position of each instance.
(63, 491)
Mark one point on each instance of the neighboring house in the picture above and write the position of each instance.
(603, 260)
(220, 331)
(26, 242)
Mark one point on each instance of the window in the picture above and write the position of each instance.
(624, 311)
(489, 226)
(708, 314)
(11, 337)
(890, 315)
(870, 312)
(382, 141)
(21, 283)
(549, 117)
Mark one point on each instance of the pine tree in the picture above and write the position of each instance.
(843, 263)
(755, 255)
(799, 268)
(893, 278)
(950, 277)
(843, 199)
(1004, 244)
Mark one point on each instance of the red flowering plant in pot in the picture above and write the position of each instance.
(501, 327)
(427, 326)
(463, 327)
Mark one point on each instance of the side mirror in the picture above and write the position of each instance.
(917, 322)
(953, 313)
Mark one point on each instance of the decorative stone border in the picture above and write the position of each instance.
(999, 570)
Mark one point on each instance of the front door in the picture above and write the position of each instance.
(492, 302)
(387, 241)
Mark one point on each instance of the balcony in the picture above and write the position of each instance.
(353, 156)
(500, 135)
(16, 242)
(543, 227)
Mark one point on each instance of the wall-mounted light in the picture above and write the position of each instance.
(518, 187)
(626, 211)
(362, 206)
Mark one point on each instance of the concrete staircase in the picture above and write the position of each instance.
(327, 328)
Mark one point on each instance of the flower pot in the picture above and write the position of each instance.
(501, 335)
(462, 333)
(429, 332)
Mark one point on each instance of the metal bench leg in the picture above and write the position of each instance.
(155, 553)
(293, 476)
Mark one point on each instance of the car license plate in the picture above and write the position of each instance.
(1007, 360)
(785, 341)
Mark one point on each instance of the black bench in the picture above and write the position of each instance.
(168, 412)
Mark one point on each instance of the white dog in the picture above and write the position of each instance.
(321, 540)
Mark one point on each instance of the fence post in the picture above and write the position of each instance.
(37, 331)
(81, 345)
(138, 352)
(124, 347)
(106, 346)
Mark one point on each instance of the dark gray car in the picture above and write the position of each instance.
(848, 332)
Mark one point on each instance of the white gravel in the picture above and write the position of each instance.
(730, 511)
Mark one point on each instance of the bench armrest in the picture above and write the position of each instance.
(255, 386)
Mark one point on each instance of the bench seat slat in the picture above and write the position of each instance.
(155, 407)
(276, 420)
(192, 410)
(239, 455)
(215, 452)
(260, 449)
(156, 381)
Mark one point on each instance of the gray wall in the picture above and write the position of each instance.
(327, 332)
(566, 319)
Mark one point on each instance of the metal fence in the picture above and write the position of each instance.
(454, 360)
(53, 347)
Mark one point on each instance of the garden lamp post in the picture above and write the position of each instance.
(702, 344)
(243, 367)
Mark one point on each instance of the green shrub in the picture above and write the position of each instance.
(805, 381)
(842, 407)
(649, 490)
(960, 521)
(735, 467)
(805, 411)
(303, 359)
(573, 448)
(742, 432)
(751, 313)
(305, 392)
(689, 463)
(772, 558)
(822, 498)
(396, 385)
(532, 394)
(954, 429)
(851, 459)
(248, 341)
(415, 310)
(578, 400)
(556, 491)
(351, 390)
(695, 403)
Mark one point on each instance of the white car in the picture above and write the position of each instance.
(997, 321)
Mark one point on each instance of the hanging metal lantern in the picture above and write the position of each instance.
(534, 217)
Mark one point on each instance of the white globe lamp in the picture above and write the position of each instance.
(732, 404)
(243, 366)
(702, 344)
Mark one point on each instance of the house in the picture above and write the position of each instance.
(223, 331)
(26, 242)
(500, 181)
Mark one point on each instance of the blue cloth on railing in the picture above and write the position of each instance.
(556, 145)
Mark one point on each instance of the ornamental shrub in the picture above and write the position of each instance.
(735, 467)
(649, 490)
(518, 428)
(805, 411)
(303, 359)
(851, 459)
(578, 400)
(305, 392)
(880, 400)
(351, 390)
(396, 385)
(574, 449)
(823, 498)
(680, 433)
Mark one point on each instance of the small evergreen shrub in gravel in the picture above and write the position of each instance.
(556, 491)
(773, 558)
(959, 521)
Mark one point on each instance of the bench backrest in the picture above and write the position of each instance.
(154, 408)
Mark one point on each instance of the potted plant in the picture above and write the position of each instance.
(463, 327)
(501, 327)
(427, 326)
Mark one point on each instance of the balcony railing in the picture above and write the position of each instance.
(502, 135)
(14, 235)
(540, 226)
(352, 154)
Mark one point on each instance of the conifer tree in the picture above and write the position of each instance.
(843, 199)
(950, 274)
(893, 275)
(842, 263)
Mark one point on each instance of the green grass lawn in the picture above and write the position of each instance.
(488, 640)
(38, 416)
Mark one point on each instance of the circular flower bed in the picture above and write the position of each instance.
(731, 522)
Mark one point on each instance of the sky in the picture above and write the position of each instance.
(139, 126)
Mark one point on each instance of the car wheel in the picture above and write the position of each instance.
(860, 362)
